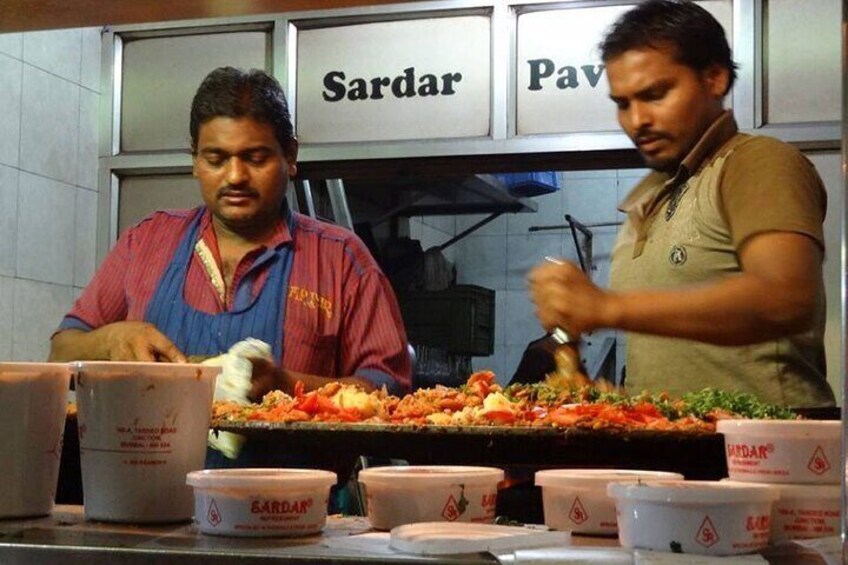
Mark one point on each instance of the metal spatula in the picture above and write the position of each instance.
(569, 373)
(567, 358)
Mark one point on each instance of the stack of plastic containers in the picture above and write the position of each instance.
(799, 458)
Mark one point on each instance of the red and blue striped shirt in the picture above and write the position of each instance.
(342, 317)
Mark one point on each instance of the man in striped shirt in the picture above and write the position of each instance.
(194, 282)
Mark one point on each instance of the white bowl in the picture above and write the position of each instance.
(783, 451)
(804, 511)
(261, 502)
(576, 500)
(709, 518)
(142, 427)
(435, 493)
(33, 404)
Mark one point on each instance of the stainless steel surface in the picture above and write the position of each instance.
(450, 194)
(561, 336)
(338, 200)
(24, 15)
(843, 341)
(66, 537)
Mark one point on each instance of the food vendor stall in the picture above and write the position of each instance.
(506, 129)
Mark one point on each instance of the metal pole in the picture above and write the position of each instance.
(844, 275)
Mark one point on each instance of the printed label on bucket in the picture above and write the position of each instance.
(805, 523)
(263, 516)
(578, 513)
(707, 535)
(819, 463)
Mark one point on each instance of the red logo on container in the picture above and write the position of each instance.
(707, 535)
(450, 512)
(578, 513)
(213, 515)
(818, 462)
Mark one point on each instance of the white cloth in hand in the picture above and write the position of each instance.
(233, 385)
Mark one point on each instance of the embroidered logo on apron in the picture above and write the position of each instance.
(312, 300)
(677, 256)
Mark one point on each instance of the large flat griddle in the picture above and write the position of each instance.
(696, 455)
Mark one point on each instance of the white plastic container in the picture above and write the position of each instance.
(576, 500)
(142, 428)
(804, 511)
(261, 502)
(404, 495)
(782, 451)
(704, 517)
(33, 405)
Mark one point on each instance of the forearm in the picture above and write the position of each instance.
(118, 341)
(735, 311)
(77, 345)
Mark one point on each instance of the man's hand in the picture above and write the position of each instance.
(774, 296)
(120, 341)
(266, 376)
(139, 341)
(566, 298)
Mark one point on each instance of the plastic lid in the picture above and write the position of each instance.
(261, 478)
(597, 477)
(694, 492)
(790, 490)
(429, 475)
(438, 538)
(782, 428)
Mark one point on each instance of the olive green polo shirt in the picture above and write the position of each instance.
(686, 229)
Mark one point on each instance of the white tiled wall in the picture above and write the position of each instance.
(49, 100)
(433, 231)
(499, 255)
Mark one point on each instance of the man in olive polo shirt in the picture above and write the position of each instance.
(717, 272)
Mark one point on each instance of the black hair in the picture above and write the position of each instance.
(234, 93)
(697, 37)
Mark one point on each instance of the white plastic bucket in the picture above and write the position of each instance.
(434, 493)
(804, 511)
(261, 502)
(142, 428)
(33, 405)
(782, 451)
(704, 517)
(576, 500)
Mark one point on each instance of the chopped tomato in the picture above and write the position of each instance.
(486, 376)
(480, 382)
(499, 416)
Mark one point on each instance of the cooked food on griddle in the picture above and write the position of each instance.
(481, 401)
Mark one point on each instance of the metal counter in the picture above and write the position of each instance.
(66, 537)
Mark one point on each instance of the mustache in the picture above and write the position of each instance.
(644, 136)
(230, 190)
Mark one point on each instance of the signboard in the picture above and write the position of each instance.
(561, 84)
(399, 80)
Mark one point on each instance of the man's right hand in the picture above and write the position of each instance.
(120, 341)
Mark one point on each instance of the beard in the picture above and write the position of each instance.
(659, 164)
(666, 159)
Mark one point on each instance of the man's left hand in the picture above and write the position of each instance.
(266, 376)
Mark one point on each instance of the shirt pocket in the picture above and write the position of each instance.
(312, 353)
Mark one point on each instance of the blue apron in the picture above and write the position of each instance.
(198, 333)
